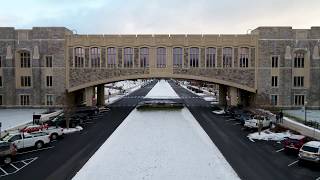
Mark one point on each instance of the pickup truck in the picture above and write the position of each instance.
(25, 140)
(254, 122)
(53, 131)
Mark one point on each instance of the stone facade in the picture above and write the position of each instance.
(285, 42)
(68, 77)
(38, 42)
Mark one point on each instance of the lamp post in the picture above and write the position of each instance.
(305, 112)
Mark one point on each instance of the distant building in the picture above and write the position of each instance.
(51, 66)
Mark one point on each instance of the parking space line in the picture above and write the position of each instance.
(36, 150)
(280, 150)
(24, 162)
(5, 172)
(294, 162)
(14, 166)
(236, 124)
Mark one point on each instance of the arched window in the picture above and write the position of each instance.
(25, 61)
(161, 57)
(194, 57)
(111, 57)
(177, 57)
(244, 57)
(95, 54)
(79, 57)
(227, 57)
(211, 57)
(144, 57)
(128, 58)
(298, 59)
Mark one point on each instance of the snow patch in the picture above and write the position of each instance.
(72, 130)
(268, 135)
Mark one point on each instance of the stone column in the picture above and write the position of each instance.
(88, 96)
(100, 95)
(222, 95)
(233, 96)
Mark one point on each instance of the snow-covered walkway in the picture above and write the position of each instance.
(158, 145)
(162, 90)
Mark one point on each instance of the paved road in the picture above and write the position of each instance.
(66, 157)
(251, 160)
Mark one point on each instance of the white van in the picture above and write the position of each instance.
(254, 122)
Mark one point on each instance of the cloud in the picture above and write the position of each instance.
(160, 16)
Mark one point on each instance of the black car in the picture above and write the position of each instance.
(74, 120)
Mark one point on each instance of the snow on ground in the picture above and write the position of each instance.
(219, 112)
(72, 130)
(158, 145)
(312, 115)
(268, 135)
(11, 118)
(162, 90)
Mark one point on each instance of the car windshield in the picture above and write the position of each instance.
(6, 137)
(310, 149)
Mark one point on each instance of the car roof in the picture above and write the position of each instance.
(297, 137)
(313, 144)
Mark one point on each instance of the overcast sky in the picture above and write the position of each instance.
(160, 16)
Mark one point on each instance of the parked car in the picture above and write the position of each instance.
(243, 116)
(310, 151)
(7, 152)
(254, 122)
(74, 120)
(53, 131)
(294, 143)
(25, 140)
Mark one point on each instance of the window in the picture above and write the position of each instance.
(161, 57)
(298, 81)
(274, 61)
(194, 57)
(1, 100)
(79, 57)
(177, 57)
(299, 60)
(25, 60)
(95, 54)
(274, 81)
(227, 57)
(49, 100)
(0, 81)
(299, 100)
(49, 81)
(128, 58)
(211, 57)
(25, 81)
(111, 57)
(0, 61)
(274, 100)
(48, 61)
(144, 57)
(244, 57)
(24, 100)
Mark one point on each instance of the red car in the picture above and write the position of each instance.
(34, 128)
(294, 143)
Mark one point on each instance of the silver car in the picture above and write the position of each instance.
(310, 151)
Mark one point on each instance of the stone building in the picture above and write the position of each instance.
(272, 66)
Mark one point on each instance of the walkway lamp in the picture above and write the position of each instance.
(305, 112)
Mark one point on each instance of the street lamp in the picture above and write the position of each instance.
(305, 112)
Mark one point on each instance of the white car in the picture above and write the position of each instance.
(310, 151)
(254, 122)
(24, 140)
